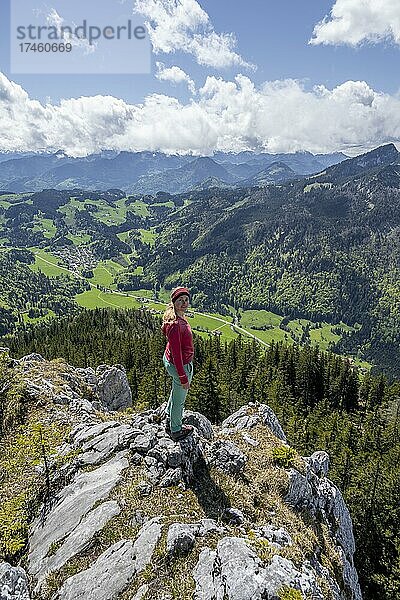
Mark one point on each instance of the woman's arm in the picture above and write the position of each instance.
(174, 338)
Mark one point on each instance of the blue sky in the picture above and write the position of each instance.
(352, 67)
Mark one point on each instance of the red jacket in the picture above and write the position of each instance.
(179, 350)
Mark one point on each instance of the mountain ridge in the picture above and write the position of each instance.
(142, 171)
(149, 503)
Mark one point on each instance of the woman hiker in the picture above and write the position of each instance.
(178, 357)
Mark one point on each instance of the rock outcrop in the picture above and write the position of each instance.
(128, 503)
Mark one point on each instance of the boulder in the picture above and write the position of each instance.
(250, 415)
(235, 572)
(202, 424)
(227, 456)
(113, 387)
(13, 583)
(181, 538)
(318, 495)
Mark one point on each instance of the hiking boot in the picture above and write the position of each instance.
(183, 433)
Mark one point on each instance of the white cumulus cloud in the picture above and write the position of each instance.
(183, 25)
(279, 116)
(174, 75)
(355, 21)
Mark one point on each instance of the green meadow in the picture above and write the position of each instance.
(105, 272)
(148, 236)
(47, 263)
(79, 238)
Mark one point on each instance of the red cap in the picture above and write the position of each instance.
(180, 291)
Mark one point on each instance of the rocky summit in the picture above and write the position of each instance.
(114, 509)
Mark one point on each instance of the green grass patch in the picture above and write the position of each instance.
(94, 298)
(105, 272)
(50, 314)
(47, 263)
(109, 214)
(205, 325)
(140, 208)
(46, 226)
(259, 318)
(148, 236)
(78, 238)
(123, 236)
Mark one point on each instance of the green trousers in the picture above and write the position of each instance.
(178, 394)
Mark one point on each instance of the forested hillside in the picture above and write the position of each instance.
(323, 253)
(319, 398)
(324, 249)
(24, 293)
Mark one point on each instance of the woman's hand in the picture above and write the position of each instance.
(185, 386)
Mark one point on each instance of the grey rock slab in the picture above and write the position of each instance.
(72, 503)
(142, 591)
(113, 570)
(80, 537)
(282, 572)
(13, 583)
(234, 571)
(240, 569)
(319, 463)
(99, 448)
(143, 442)
(208, 585)
(145, 543)
(82, 434)
(318, 494)
(105, 579)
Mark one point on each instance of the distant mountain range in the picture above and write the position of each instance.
(150, 172)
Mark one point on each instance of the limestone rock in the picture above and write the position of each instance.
(233, 515)
(278, 536)
(318, 463)
(113, 387)
(98, 448)
(167, 452)
(143, 442)
(171, 477)
(89, 377)
(80, 537)
(202, 424)
(13, 583)
(71, 505)
(250, 415)
(319, 495)
(113, 570)
(34, 357)
(235, 572)
(181, 538)
(227, 456)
